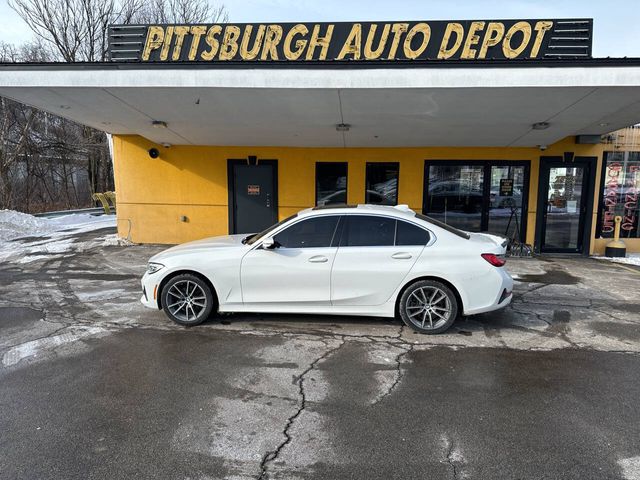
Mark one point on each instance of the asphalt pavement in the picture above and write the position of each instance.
(94, 386)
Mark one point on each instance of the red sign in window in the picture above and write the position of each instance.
(621, 192)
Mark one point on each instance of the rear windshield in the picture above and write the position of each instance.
(444, 226)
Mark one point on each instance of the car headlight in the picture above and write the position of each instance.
(153, 267)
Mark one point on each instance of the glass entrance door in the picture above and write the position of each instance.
(505, 207)
(563, 217)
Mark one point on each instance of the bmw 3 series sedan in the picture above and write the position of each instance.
(369, 260)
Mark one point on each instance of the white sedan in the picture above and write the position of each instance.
(338, 260)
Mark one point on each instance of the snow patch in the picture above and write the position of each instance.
(630, 468)
(630, 259)
(26, 238)
(114, 240)
(32, 348)
(100, 295)
(14, 225)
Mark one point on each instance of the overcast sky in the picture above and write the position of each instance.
(615, 24)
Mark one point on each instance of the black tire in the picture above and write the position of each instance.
(428, 306)
(187, 299)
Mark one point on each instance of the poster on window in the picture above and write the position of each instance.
(620, 194)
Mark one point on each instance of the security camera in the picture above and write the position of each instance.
(154, 153)
(542, 147)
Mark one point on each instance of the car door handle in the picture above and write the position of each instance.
(401, 256)
(319, 259)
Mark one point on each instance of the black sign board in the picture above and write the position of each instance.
(346, 42)
(506, 187)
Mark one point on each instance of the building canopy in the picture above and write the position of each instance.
(467, 83)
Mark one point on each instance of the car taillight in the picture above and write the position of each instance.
(494, 259)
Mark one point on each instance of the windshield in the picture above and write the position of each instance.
(251, 239)
(444, 226)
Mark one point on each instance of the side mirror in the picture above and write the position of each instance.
(269, 243)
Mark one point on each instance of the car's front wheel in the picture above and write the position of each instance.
(428, 306)
(187, 299)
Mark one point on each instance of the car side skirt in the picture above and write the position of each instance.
(385, 310)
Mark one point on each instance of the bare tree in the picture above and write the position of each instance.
(44, 158)
(181, 11)
(78, 29)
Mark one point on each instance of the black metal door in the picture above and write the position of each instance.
(253, 196)
(564, 205)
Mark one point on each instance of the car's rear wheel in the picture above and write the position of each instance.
(428, 306)
(187, 299)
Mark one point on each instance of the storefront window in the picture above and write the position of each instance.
(455, 195)
(621, 187)
(481, 196)
(331, 183)
(382, 183)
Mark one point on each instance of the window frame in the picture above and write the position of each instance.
(336, 230)
(344, 222)
(486, 192)
(346, 184)
(600, 198)
(366, 179)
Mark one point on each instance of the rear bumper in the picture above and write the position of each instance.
(503, 296)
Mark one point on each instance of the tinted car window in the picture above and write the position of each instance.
(368, 231)
(408, 234)
(251, 239)
(311, 233)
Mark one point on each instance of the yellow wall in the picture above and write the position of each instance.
(192, 181)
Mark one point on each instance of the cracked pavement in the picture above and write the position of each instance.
(92, 385)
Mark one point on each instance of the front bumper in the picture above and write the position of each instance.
(150, 287)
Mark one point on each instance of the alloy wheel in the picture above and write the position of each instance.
(188, 300)
(428, 307)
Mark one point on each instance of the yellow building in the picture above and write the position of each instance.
(496, 126)
(184, 193)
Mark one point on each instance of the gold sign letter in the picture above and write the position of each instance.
(245, 52)
(446, 51)
(425, 30)
(398, 29)
(181, 31)
(213, 43)
(271, 41)
(154, 41)
(229, 46)
(353, 43)
(294, 54)
(318, 41)
(168, 35)
(492, 37)
(468, 52)
(507, 48)
(541, 28)
(369, 53)
(197, 33)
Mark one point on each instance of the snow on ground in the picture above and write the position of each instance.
(16, 224)
(630, 259)
(26, 238)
